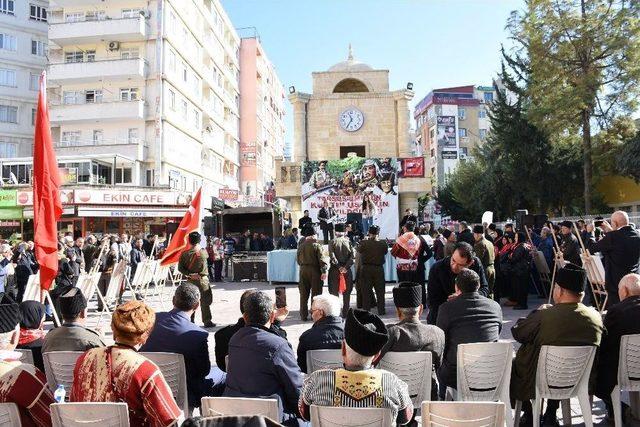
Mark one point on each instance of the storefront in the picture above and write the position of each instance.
(10, 214)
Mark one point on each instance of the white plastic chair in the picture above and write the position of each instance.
(87, 414)
(220, 406)
(484, 373)
(175, 374)
(58, 368)
(9, 415)
(27, 355)
(562, 373)
(463, 414)
(628, 376)
(332, 416)
(32, 288)
(323, 359)
(414, 368)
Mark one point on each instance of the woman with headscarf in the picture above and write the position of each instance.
(118, 373)
(32, 330)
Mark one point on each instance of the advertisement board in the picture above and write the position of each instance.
(449, 154)
(344, 184)
(412, 167)
(228, 194)
(446, 131)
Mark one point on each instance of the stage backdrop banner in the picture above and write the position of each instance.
(345, 182)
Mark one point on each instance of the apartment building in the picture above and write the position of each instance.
(23, 50)
(262, 121)
(450, 122)
(144, 98)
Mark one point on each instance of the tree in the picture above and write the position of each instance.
(584, 62)
(628, 161)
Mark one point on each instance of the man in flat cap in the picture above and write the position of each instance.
(566, 323)
(569, 247)
(410, 334)
(72, 335)
(193, 265)
(20, 383)
(486, 253)
(313, 269)
(373, 254)
(358, 384)
(341, 256)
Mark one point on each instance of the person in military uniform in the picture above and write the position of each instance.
(567, 323)
(320, 178)
(486, 253)
(341, 259)
(313, 269)
(193, 265)
(368, 175)
(570, 248)
(371, 274)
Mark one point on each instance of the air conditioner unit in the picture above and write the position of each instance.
(114, 46)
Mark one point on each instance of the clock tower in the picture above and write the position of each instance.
(350, 111)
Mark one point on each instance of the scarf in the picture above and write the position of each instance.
(410, 243)
(27, 336)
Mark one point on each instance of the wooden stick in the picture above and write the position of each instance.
(553, 279)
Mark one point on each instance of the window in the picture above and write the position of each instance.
(462, 113)
(129, 53)
(483, 133)
(93, 96)
(38, 48)
(462, 132)
(38, 13)
(7, 77)
(72, 97)
(172, 100)
(129, 94)
(33, 117)
(131, 13)
(71, 137)
(488, 97)
(74, 17)
(98, 15)
(34, 81)
(482, 113)
(8, 42)
(98, 135)
(8, 7)
(8, 149)
(74, 56)
(196, 119)
(123, 176)
(184, 72)
(184, 109)
(172, 61)
(90, 55)
(132, 136)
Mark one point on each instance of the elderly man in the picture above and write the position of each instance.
(313, 269)
(410, 334)
(465, 234)
(327, 331)
(72, 335)
(262, 364)
(173, 332)
(90, 252)
(341, 256)
(406, 250)
(21, 384)
(467, 317)
(77, 248)
(486, 253)
(358, 384)
(440, 287)
(620, 247)
(567, 323)
(621, 319)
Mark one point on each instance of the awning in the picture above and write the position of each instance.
(66, 210)
(11, 213)
(132, 212)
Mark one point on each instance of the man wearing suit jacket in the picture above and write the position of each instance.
(136, 257)
(174, 333)
(326, 216)
(620, 247)
(468, 317)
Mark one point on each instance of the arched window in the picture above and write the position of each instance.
(349, 86)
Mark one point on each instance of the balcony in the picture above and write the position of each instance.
(85, 72)
(131, 148)
(100, 111)
(83, 32)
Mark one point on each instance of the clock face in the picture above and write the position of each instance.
(351, 119)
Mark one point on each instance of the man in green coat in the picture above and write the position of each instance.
(341, 258)
(313, 269)
(567, 323)
(373, 254)
(486, 252)
(193, 265)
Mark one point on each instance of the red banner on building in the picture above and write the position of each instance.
(412, 167)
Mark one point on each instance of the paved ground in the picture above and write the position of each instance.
(226, 297)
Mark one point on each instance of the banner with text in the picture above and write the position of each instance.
(345, 183)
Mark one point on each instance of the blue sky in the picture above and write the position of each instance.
(432, 43)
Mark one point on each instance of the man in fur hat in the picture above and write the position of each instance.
(358, 384)
(373, 254)
(486, 253)
(313, 269)
(341, 256)
(566, 323)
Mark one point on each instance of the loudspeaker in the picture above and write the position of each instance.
(249, 269)
(520, 213)
(540, 220)
(209, 226)
(528, 221)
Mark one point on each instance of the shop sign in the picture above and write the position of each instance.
(216, 204)
(10, 223)
(130, 197)
(130, 213)
(25, 197)
(228, 194)
(11, 213)
(449, 155)
(8, 198)
(68, 176)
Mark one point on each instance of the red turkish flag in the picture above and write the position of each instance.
(47, 206)
(180, 241)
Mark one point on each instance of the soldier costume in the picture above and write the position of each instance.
(194, 262)
(341, 257)
(570, 247)
(312, 267)
(320, 178)
(485, 251)
(371, 274)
